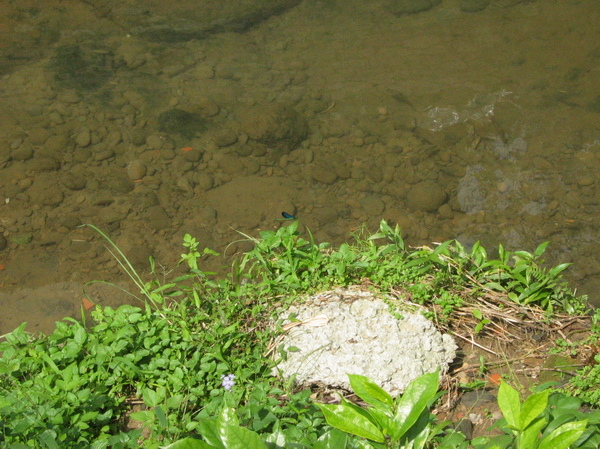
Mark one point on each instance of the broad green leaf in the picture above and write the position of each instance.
(332, 439)
(125, 361)
(420, 440)
(564, 436)
(229, 329)
(502, 254)
(67, 375)
(494, 286)
(88, 416)
(533, 407)
(477, 314)
(80, 336)
(530, 436)
(440, 249)
(48, 438)
(348, 420)
(361, 411)
(153, 397)
(522, 255)
(189, 443)
(228, 416)
(277, 439)
(19, 335)
(510, 405)
(163, 288)
(98, 444)
(233, 436)
(364, 444)
(50, 362)
(554, 272)
(415, 399)
(176, 401)
(369, 391)
(144, 416)
(565, 403)
(419, 434)
(478, 253)
(209, 430)
(160, 414)
(480, 325)
(540, 250)
(382, 419)
(237, 437)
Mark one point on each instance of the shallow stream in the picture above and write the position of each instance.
(467, 119)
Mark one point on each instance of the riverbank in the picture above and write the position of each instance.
(152, 374)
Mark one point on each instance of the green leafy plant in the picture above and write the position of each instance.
(75, 388)
(526, 422)
(284, 259)
(150, 296)
(563, 409)
(52, 396)
(225, 432)
(482, 321)
(520, 274)
(401, 423)
(585, 383)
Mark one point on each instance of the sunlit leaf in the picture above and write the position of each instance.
(564, 436)
(189, 443)
(332, 439)
(530, 436)
(369, 391)
(348, 420)
(413, 401)
(510, 405)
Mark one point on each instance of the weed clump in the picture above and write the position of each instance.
(166, 369)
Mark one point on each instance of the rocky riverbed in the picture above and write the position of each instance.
(339, 114)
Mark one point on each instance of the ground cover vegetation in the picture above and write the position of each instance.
(188, 366)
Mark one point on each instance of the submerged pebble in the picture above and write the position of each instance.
(136, 170)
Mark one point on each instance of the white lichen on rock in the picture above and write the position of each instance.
(361, 336)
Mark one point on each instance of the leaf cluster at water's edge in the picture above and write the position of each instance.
(283, 261)
(150, 375)
(75, 386)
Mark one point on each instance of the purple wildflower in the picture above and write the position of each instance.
(227, 381)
